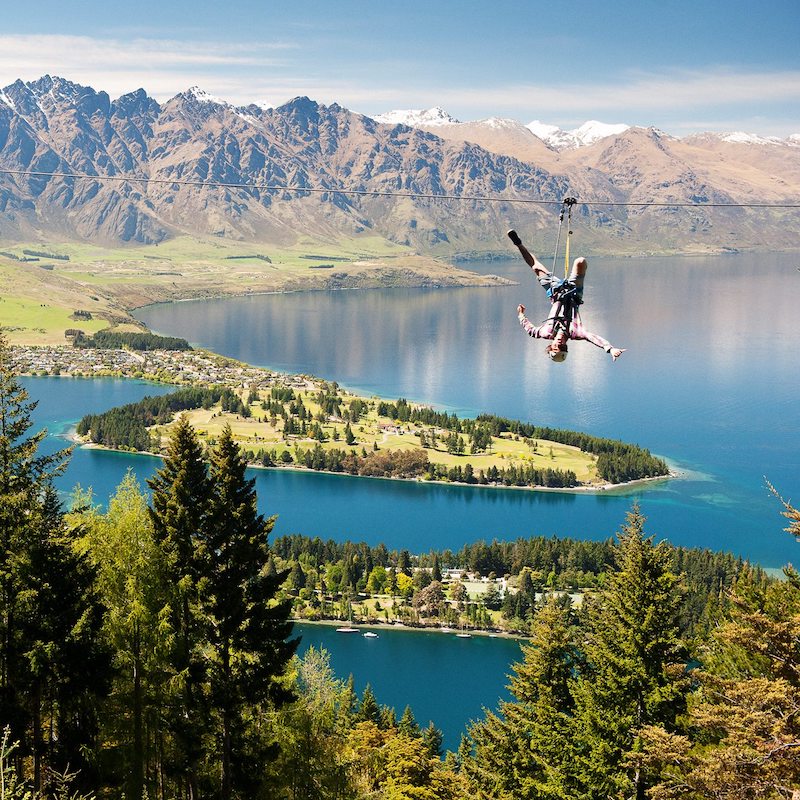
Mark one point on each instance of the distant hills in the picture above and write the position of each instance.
(54, 125)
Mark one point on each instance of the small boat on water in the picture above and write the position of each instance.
(370, 635)
(347, 629)
(464, 635)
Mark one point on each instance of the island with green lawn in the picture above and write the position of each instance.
(307, 423)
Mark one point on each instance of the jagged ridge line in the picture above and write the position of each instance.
(371, 193)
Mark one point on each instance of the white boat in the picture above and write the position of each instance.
(463, 633)
(347, 629)
(370, 635)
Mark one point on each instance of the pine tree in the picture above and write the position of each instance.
(66, 660)
(180, 492)
(523, 751)
(635, 675)
(408, 725)
(248, 630)
(744, 718)
(433, 738)
(404, 562)
(368, 710)
(53, 665)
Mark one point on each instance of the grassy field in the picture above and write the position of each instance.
(258, 433)
(37, 306)
(112, 281)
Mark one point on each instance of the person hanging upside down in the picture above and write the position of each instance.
(564, 321)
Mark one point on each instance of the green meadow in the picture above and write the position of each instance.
(112, 281)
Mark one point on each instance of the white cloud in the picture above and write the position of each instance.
(162, 66)
(642, 92)
(273, 72)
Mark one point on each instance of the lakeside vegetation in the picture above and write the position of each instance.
(325, 428)
(116, 340)
(486, 586)
(147, 651)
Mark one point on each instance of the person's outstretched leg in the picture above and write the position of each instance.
(578, 273)
(528, 257)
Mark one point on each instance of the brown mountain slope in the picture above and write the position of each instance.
(52, 125)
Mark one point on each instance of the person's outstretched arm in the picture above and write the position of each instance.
(599, 341)
(577, 331)
(531, 329)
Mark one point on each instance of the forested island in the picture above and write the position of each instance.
(147, 650)
(321, 427)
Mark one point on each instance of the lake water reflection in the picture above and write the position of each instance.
(710, 380)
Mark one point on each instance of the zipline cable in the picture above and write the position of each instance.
(374, 193)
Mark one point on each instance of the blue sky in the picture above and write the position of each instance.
(681, 65)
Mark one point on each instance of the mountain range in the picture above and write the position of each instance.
(331, 159)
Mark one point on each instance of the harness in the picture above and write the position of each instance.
(566, 299)
(565, 295)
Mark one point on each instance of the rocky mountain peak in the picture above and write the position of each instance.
(55, 92)
(54, 125)
(196, 94)
(134, 104)
(417, 118)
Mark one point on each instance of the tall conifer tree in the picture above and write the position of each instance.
(52, 662)
(745, 718)
(635, 675)
(521, 753)
(249, 630)
(131, 579)
(180, 496)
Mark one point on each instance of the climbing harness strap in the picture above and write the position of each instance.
(565, 295)
(566, 206)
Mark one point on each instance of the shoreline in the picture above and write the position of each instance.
(404, 627)
(66, 361)
(72, 436)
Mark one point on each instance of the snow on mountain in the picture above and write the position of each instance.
(593, 131)
(552, 135)
(416, 118)
(588, 133)
(202, 96)
(500, 123)
(4, 98)
(740, 137)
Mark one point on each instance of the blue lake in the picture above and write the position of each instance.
(444, 679)
(710, 380)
